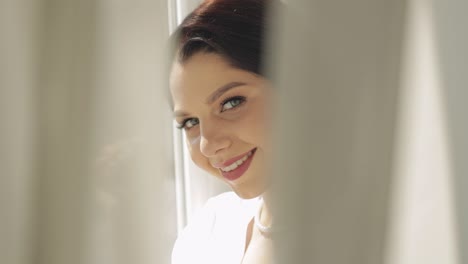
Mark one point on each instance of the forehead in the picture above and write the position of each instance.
(202, 74)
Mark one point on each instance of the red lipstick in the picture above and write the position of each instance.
(240, 170)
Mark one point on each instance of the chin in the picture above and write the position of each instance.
(250, 194)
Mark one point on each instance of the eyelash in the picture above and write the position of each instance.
(242, 100)
(184, 123)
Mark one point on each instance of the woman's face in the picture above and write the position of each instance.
(224, 112)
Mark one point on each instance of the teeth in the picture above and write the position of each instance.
(236, 164)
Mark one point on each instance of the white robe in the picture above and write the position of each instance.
(217, 233)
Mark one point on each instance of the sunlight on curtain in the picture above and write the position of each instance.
(423, 219)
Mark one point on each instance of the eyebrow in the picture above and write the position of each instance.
(221, 90)
(214, 96)
(180, 114)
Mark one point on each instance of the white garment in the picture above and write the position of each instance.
(217, 233)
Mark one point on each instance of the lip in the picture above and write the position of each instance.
(239, 171)
(231, 161)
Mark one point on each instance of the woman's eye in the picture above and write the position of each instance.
(231, 103)
(189, 123)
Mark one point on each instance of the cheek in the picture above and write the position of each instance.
(255, 126)
(193, 145)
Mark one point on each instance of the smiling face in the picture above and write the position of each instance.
(224, 112)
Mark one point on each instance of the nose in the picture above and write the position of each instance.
(213, 139)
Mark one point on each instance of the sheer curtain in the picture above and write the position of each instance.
(369, 167)
(86, 168)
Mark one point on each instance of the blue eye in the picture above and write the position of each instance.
(232, 103)
(188, 123)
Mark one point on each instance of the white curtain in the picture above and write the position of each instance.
(86, 167)
(370, 162)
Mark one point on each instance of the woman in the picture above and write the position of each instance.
(223, 102)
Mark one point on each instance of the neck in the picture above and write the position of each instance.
(266, 217)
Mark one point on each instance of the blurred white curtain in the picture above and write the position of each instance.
(369, 132)
(86, 167)
(338, 76)
(450, 41)
(423, 219)
(17, 79)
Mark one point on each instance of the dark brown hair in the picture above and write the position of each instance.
(233, 29)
